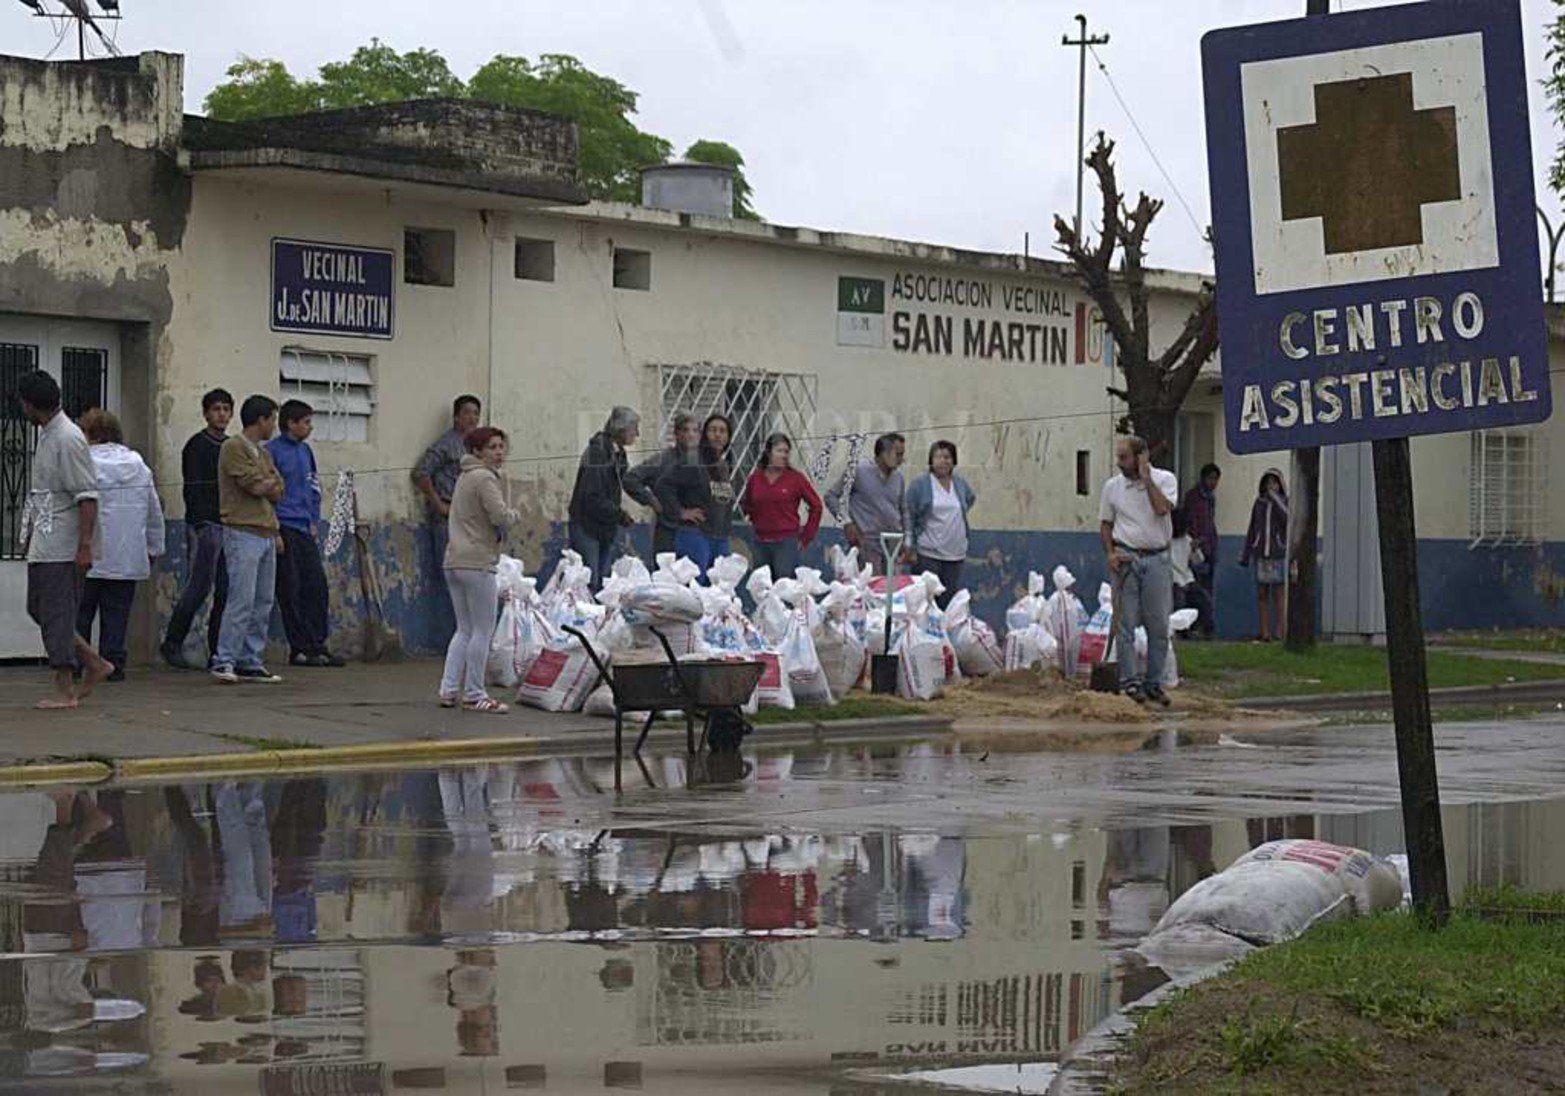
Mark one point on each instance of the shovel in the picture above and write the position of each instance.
(376, 639)
(1105, 672)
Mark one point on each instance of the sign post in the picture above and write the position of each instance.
(1377, 276)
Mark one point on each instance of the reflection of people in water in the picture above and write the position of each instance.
(209, 979)
(297, 834)
(199, 892)
(246, 995)
(1133, 890)
(55, 924)
(470, 989)
(246, 844)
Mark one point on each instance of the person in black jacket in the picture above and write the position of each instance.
(642, 480)
(204, 533)
(596, 515)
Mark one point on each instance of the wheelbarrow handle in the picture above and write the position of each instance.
(603, 671)
(679, 676)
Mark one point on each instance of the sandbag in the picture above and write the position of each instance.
(1064, 618)
(921, 667)
(522, 633)
(1028, 647)
(1275, 892)
(978, 653)
(560, 677)
(806, 676)
(1180, 621)
(1095, 636)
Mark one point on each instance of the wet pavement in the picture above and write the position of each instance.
(784, 924)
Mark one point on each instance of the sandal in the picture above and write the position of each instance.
(487, 704)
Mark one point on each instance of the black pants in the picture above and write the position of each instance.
(207, 576)
(950, 573)
(108, 599)
(301, 593)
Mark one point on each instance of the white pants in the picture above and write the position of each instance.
(476, 601)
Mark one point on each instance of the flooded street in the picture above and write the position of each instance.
(772, 928)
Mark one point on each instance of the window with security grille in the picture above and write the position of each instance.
(1508, 496)
(17, 440)
(84, 379)
(340, 388)
(759, 403)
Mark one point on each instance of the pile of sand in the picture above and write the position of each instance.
(1043, 694)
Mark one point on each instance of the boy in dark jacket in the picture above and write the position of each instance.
(302, 595)
(204, 532)
(596, 515)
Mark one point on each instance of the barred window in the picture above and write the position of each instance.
(17, 439)
(339, 387)
(759, 402)
(1508, 496)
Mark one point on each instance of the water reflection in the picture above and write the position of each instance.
(483, 927)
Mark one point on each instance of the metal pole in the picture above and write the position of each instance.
(1554, 248)
(1081, 43)
(81, 39)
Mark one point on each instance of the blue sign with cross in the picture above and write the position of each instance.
(1374, 223)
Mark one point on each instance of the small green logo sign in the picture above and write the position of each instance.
(861, 295)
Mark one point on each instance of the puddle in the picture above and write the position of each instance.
(514, 926)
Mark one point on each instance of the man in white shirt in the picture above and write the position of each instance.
(1136, 525)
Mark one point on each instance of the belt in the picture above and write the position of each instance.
(1141, 551)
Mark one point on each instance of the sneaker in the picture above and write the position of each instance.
(257, 675)
(328, 660)
(116, 677)
(1135, 693)
(299, 658)
(1156, 695)
(225, 675)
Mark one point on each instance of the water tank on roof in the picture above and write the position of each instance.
(704, 189)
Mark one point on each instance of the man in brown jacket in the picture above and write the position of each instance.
(248, 488)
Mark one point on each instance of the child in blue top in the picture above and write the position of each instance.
(301, 578)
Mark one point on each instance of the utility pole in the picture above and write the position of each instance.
(1081, 43)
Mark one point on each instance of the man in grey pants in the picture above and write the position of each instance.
(62, 515)
(1136, 525)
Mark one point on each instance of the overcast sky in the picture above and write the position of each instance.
(951, 122)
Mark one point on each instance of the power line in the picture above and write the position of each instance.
(1135, 125)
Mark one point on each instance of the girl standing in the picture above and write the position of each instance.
(1267, 544)
(480, 516)
(772, 498)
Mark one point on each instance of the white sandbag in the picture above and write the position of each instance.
(1095, 636)
(1065, 618)
(660, 603)
(631, 569)
(1030, 646)
(773, 690)
(560, 677)
(675, 570)
(726, 572)
(1277, 891)
(978, 653)
(522, 632)
(839, 646)
(806, 676)
(1027, 608)
(921, 666)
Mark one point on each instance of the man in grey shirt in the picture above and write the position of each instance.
(877, 502)
(62, 516)
(436, 475)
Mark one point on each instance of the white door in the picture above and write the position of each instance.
(84, 357)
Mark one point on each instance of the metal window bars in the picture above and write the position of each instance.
(84, 379)
(760, 402)
(1508, 491)
(17, 439)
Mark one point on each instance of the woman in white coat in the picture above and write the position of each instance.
(129, 537)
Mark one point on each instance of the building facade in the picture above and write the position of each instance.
(381, 261)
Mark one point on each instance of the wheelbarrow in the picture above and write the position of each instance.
(700, 688)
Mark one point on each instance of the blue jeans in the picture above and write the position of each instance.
(782, 557)
(1146, 597)
(252, 588)
(699, 548)
(596, 553)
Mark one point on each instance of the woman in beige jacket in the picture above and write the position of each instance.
(480, 515)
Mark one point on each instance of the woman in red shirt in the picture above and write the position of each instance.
(771, 501)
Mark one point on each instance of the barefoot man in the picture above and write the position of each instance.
(62, 514)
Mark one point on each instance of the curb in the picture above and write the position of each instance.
(394, 754)
(1514, 691)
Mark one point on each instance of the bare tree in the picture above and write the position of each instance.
(1154, 386)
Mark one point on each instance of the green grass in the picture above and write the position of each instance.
(1539, 641)
(1238, 670)
(259, 742)
(856, 706)
(1373, 1005)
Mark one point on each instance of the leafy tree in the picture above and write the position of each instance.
(260, 88)
(725, 155)
(613, 148)
(376, 73)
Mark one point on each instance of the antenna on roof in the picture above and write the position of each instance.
(78, 12)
